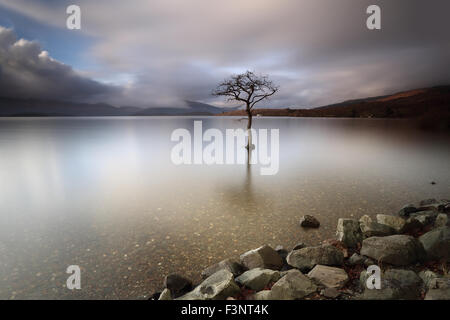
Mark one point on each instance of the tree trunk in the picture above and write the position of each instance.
(249, 127)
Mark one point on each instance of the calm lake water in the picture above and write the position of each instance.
(102, 193)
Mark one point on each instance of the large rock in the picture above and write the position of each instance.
(349, 232)
(294, 285)
(228, 264)
(375, 229)
(219, 286)
(306, 258)
(437, 244)
(396, 284)
(257, 279)
(177, 285)
(330, 277)
(308, 221)
(264, 257)
(397, 249)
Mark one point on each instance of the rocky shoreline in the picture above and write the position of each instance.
(411, 250)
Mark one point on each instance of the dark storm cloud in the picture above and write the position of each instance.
(26, 71)
(318, 51)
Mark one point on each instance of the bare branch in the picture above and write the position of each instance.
(246, 87)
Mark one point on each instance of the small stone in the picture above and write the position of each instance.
(356, 259)
(330, 277)
(219, 286)
(264, 257)
(177, 285)
(308, 221)
(349, 232)
(407, 210)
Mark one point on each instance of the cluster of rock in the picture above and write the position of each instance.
(404, 246)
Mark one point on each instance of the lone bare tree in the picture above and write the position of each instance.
(249, 89)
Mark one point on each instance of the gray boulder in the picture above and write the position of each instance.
(437, 244)
(396, 284)
(294, 285)
(264, 257)
(228, 264)
(308, 221)
(306, 258)
(257, 279)
(330, 277)
(349, 232)
(219, 286)
(177, 285)
(397, 249)
(375, 229)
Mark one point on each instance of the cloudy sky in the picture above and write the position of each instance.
(161, 52)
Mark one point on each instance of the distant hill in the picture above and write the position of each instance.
(10, 107)
(419, 103)
(426, 103)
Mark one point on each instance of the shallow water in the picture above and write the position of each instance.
(102, 193)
